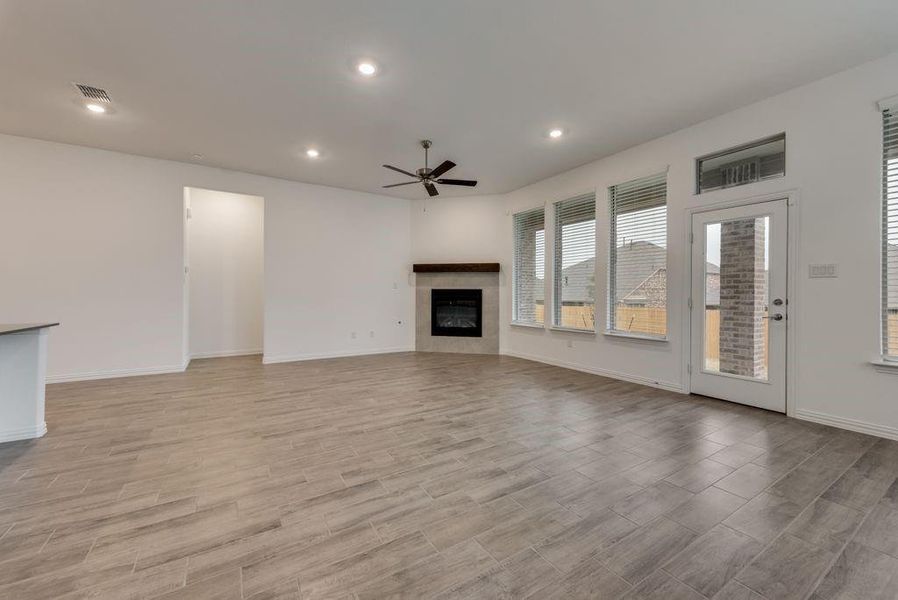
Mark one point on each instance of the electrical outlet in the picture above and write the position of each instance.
(352, 334)
(371, 333)
(827, 271)
(570, 343)
(395, 286)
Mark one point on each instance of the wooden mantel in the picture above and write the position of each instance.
(456, 268)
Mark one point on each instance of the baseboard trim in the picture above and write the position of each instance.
(270, 360)
(845, 423)
(27, 433)
(113, 374)
(664, 385)
(226, 353)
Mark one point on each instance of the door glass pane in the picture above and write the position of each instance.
(736, 297)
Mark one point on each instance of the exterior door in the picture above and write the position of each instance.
(740, 304)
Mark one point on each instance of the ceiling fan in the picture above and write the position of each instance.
(428, 176)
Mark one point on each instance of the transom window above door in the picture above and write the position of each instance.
(748, 163)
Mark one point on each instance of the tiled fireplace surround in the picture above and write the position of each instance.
(484, 276)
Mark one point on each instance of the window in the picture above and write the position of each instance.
(890, 233)
(755, 161)
(574, 302)
(637, 269)
(529, 267)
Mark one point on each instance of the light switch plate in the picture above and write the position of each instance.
(822, 271)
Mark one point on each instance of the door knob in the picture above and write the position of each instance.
(775, 317)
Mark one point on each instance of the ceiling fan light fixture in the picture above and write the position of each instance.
(427, 176)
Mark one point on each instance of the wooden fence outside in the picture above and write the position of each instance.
(893, 334)
(578, 317)
(641, 319)
(654, 321)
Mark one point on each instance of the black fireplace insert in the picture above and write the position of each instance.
(457, 313)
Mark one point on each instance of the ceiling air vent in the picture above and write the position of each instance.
(93, 93)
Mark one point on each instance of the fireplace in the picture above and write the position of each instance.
(457, 307)
(456, 313)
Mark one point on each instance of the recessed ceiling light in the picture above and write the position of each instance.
(312, 153)
(96, 108)
(556, 133)
(367, 68)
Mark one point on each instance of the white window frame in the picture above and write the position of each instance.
(515, 320)
(889, 110)
(612, 253)
(557, 262)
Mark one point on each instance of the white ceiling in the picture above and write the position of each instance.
(251, 84)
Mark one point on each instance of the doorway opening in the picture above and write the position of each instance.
(223, 274)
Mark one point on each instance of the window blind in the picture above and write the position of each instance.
(890, 233)
(574, 302)
(529, 266)
(637, 270)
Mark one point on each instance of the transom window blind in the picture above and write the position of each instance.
(529, 266)
(890, 233)
(574, 302)
(637, 270)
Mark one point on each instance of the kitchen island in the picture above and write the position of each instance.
(23, 371)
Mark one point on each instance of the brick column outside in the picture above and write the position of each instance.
(527, 279)
(743, 298)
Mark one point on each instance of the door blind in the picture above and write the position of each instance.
(529, 266)
(574, 300)
(637, 270)
(890, 233)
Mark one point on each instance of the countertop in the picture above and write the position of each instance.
(8, 328)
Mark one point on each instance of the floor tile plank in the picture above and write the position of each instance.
(423, 475)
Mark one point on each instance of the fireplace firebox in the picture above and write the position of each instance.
(457, 313)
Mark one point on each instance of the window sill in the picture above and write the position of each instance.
(636, 336)
(885, 366)
(527, 325)
(572, 330)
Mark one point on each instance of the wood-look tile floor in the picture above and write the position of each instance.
(436, 476)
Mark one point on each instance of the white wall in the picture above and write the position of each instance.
(227, 296)
(94, 239)
(336, 263)
(834, 142)
(468, 229)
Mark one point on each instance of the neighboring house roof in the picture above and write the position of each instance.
(653, 285)
(656, 285)
(579, 281)
(640, 262)
(636, 262)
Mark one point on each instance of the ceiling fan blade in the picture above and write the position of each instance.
(431, 189)
(442, 168)
(398, 170)
(467, 182)
(398, 184)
